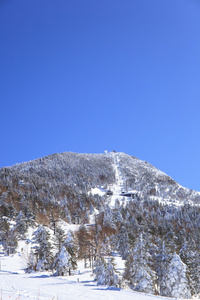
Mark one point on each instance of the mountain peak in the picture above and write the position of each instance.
(113, 170)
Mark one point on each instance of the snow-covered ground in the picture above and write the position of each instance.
(15, 284)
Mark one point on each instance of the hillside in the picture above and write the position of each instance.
(85, 207)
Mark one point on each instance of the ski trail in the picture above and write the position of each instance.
(118, 174)
(118, 187)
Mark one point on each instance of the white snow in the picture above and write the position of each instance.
(118, 186)
(98, 191)
(15, 284)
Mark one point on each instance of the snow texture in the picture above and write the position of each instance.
(15, 284)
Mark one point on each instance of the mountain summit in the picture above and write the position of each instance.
(120, 174)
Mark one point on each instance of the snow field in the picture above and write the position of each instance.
(15, 284)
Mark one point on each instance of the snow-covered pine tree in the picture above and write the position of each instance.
(59, 238)
(105, 273)
(137, 271)
(32, 262)
(10, 242)
(108, 220)
(5, 227)
(20, 226)
(42, 249)
(190, 256)
(62, 263)
(112, 278)
(123, 242)
(100, 271)
(162, 260)
(175, 280)
(72, 250)
(105, 247)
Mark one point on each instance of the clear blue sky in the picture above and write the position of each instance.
(95, 75)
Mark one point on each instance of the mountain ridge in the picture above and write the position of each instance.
(83, 171)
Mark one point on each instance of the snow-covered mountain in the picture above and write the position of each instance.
(117, 172)
(74, 209)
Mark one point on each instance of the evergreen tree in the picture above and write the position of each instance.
(20, 226)
(72, 250)
(105, 273)
(62, 263)
(162, 260)
(175, 280)
(111, 277)
(42, 248)
(137, 271)
(189, 254)
(10, 242)
(31, 266)
(123, 242)
(4, 229)
(59, 238)
(105, 248)
(108, 220)
(100, 271)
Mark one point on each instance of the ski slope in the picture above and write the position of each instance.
(17, 285)
(118, 186)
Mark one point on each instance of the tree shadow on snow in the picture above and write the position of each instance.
(40, 276)
(9, 272)
(88, 282)
(109, 288)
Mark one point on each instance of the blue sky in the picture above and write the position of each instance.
(90, 75)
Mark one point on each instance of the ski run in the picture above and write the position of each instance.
(15, 284)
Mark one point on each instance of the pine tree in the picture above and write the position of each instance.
(10, 242)
(175, 280)
(32, 262)
(111, 277)
(20, 226)
(62, 263)
(59, 238)
(105, 273)
(108, 220)
(105, 248)
(4, 229)
(123, 242)
(72, 250)
(189, 254)
(100, 271)
(42, 248)
(162, 260)
(137, 271)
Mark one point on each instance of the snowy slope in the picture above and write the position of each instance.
(15, 284)
(119, 184)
